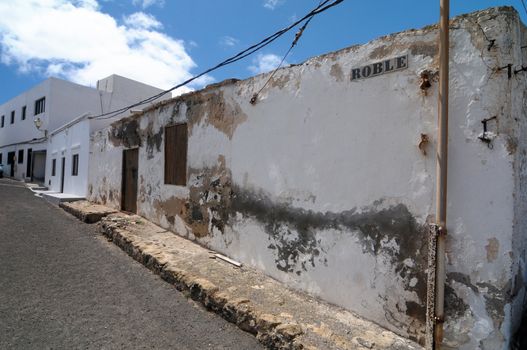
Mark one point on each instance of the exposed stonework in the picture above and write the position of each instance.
(87, 212)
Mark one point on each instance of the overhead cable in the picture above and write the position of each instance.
(298, 34)
(325, 5)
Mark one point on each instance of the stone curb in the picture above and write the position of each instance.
(280, 318)
(268, 329)
(91, 216)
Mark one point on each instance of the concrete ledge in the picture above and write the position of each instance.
(86, 211)
(279, 317)
(57, 198)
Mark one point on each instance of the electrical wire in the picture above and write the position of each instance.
(524, 6)
(295, 41)
(323, 6)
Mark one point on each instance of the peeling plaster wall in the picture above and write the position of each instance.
(104, 171)
(322, 184)
(518, 141)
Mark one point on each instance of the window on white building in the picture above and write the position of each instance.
(40, 105)
(24, 113)
(75, 165)
(20, 156)
(2, 121)
(53, 167)
(12, 117)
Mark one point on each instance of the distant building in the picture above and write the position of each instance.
(27, 121)
(68, 145)
(326, 181)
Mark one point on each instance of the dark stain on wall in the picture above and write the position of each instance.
(125, 133)
(495, 298)
(153, 142)
(415, 310)
(424, 48)
(209, 200)
(207, 207)
(293, 234)
(454, 305)
(495, 301)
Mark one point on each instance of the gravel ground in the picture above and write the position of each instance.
(63, 286)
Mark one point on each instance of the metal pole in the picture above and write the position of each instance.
(441, 171)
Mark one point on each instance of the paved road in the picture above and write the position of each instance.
(63, 286)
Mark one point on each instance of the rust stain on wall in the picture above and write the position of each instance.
(423, 48)
(213, 109)
(512, 144)
(417, 48)
(492, 249)
(207, 207)
(336, 72)
(279, 82)
(171, 207)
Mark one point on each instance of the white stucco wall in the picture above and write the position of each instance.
(73, 137)
(322, 185)
(65, 101)
(66, 143)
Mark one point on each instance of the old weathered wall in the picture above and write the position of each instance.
(104, 170)
(328, 183)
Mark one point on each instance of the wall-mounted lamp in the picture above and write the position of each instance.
(38, 123)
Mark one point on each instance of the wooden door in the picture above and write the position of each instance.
(129, 183)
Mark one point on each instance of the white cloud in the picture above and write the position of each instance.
(265, 63)
(272, 4)
(147, 3)
(229, 41)
(142, 20)
(73, 40)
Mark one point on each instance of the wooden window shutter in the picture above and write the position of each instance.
(176, 140)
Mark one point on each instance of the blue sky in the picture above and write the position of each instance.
(164, 42)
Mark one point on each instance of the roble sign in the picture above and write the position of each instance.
(378, 68)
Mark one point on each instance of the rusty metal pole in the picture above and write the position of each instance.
(441, 171)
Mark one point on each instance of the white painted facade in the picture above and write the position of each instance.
(64, 101)
(321, 182)
(62, 146)
(73, 138)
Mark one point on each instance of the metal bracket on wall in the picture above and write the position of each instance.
(522, 69)
(485, 136)
(509, 70)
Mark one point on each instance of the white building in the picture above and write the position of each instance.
(68, 145)
(27, 120)
(327, 182)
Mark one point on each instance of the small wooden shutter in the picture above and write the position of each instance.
(176, 155)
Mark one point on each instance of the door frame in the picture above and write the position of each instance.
(124, 193)
(29, 163)
(62, 173)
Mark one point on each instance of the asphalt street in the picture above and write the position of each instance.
(63, 286)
